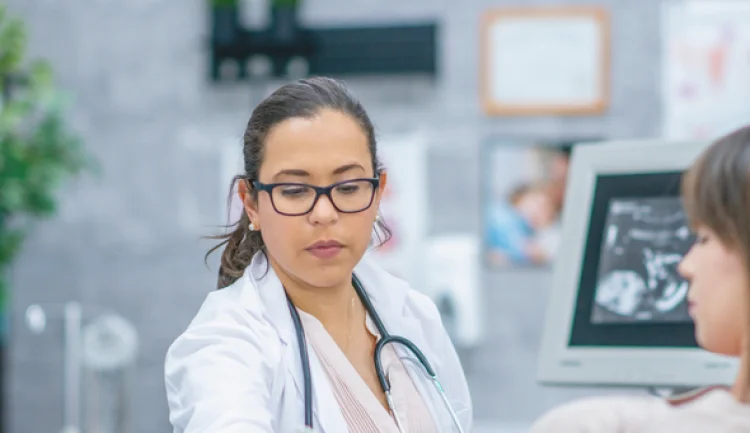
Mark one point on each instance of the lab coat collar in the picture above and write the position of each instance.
(387, 293)
(388, 296)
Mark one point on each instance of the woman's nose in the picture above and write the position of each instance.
(684, 268)
(323, 212)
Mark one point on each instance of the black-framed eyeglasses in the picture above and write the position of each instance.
(295, 199)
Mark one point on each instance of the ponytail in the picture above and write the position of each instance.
(240, 245)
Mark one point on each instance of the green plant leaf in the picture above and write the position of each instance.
(285, 3)
(10, 243)
(38, 150)
(12, 41)
(225, 3)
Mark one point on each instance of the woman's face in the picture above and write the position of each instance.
(328, 148)
(718, 285)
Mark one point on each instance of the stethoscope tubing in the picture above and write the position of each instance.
(385, 338)
(305, 360)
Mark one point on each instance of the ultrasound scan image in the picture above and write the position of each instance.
(643, 242)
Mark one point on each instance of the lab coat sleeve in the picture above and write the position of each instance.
(447, 363)
(218, 375)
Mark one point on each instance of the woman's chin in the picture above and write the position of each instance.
(717, 347)
(326, 276)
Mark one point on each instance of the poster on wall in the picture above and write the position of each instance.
(404, 205)
(706, 66)
(523, 187)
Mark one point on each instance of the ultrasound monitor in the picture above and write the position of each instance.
(617, 313)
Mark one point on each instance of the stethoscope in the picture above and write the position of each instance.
(385, 338)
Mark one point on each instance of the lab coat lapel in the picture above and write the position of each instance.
(389, 295)
(326, 408)
(326, 411)
(409, 328)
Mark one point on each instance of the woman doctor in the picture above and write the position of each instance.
(288, 340)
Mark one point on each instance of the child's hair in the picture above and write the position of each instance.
(716, 195)
(520, 191)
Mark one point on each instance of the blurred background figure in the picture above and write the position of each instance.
(526, 193)
(514, 228)
(121, 126)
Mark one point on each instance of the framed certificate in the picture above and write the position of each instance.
(545, 61)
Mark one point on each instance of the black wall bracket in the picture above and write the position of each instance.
(340, 51)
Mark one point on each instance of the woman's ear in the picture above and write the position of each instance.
(248, 202)
(383, 182)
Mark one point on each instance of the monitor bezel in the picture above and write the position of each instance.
(560, 364)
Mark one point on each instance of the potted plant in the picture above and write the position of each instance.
(225, 22)
(284, 19)
(37, 149)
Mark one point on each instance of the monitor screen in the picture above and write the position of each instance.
(638, 234)
(637, 281)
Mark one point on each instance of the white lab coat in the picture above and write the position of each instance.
(237, 369)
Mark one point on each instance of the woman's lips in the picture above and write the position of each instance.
(325, 249)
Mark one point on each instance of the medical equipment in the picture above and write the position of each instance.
(617, 311)
(108, 351)
(453, 284)
(99, 350)
(385, 339)
(36, 320)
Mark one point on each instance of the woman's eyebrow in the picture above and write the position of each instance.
(302, 173)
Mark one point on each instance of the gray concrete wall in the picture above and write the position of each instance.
(129, 239)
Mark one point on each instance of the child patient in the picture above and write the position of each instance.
(716, 194)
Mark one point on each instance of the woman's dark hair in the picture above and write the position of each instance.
(304, 98)
(716, 195)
